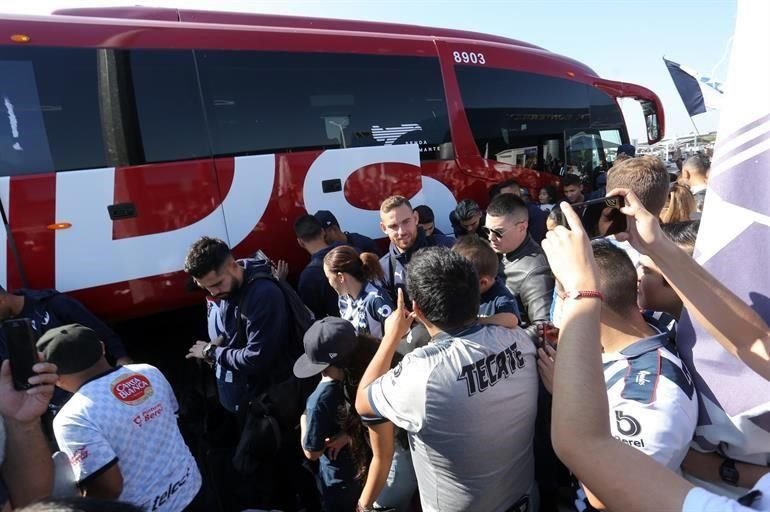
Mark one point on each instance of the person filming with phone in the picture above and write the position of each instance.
(617, 473)
(653, 405)
(25, 459)
(47, 309)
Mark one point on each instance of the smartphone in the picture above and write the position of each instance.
(20, 338)
(606, 202)
(597, 222)
(547, 333)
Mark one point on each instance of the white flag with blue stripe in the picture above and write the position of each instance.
(734, 245)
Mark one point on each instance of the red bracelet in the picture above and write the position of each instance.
(579, 294)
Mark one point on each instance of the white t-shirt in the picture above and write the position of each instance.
(468, 402)
(652, 400)
(127, 417)
(700, 500)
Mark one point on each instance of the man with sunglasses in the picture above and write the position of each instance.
(528, 276)
(526, 270)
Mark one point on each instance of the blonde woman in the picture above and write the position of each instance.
(680, 206)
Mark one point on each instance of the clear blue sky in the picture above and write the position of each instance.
(620, 39)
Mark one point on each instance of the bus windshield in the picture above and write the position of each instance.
(540, 122)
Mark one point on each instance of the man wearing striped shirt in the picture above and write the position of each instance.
(653, 405)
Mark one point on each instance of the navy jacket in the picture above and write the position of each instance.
(314, 289)
(248, 367)
(49, 308)
(395, 277)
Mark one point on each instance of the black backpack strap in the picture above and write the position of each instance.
(240, 321)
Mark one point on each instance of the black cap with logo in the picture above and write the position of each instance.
(327, 342)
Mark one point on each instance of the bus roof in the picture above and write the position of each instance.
(274, 20)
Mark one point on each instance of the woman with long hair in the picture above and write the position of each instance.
(362, 302)
(390, 481)
(377, 466)
(680, 206)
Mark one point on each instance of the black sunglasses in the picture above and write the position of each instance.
(499, 233)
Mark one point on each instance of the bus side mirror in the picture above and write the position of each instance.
(651, 121)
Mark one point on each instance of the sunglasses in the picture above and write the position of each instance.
(499, 233)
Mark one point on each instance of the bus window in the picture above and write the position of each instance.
(516, 110)
(591, 151)
(521, 118)
(611, 139)
(583, 152)
(49, 110)
(605, 112)
(170, 118)
(265, 102)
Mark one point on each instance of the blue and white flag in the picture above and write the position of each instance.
(734, 245)
(699, 93)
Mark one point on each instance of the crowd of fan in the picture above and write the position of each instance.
(528, 362)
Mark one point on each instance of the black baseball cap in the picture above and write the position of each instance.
(327, 342)
(326, 218)
(72, 348)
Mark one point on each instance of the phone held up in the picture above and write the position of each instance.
(20, 338)
(602, 216)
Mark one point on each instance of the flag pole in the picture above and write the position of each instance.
(694, 126)
(695, 142)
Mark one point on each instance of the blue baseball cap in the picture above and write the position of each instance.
(627, 149)
(326, 218)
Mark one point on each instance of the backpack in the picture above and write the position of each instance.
(277, 410)
(300, 316)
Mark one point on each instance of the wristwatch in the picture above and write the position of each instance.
(579, 294)
(728, 473)
(209, 354)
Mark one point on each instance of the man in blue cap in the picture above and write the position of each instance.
(333, 234)
(625, 151)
